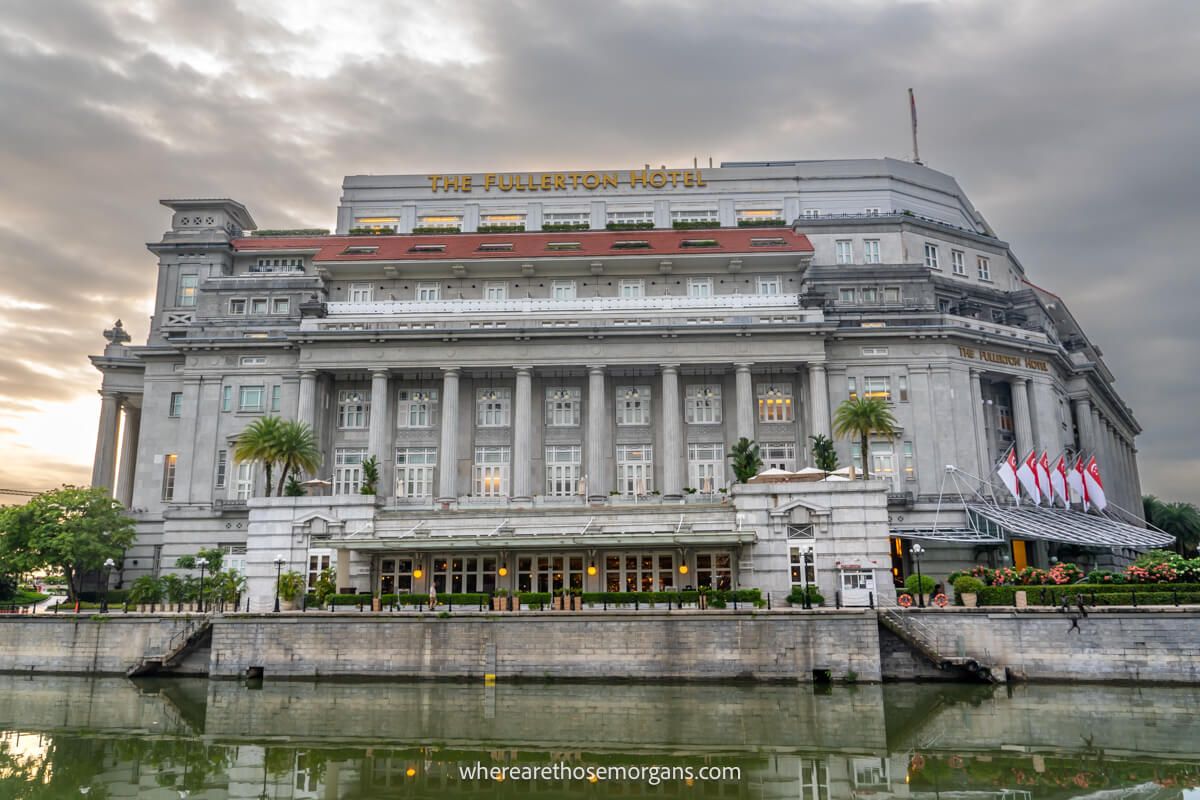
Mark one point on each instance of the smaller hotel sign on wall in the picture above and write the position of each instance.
(1003, 360)
(567, 181)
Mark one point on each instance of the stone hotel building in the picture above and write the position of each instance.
(551, 369)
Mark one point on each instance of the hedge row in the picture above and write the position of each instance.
(1105, 594)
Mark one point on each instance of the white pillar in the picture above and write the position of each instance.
(1083, 422)
(448, 458)
(128, 462)
(306, 406)
(379, 437)
(672, 434)
(105, 461)
(981, 442)
(522, 449)
(745, 401)
(598, 479)
(1021, 416)
(818, 401)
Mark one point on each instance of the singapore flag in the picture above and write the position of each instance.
(1027, 474)
(1095, 489)
(1075, 480)
(1058, 481)
(1008, 474)
(1043, 473)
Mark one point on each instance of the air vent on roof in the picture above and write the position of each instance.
(699, 243)
(563, 246)
(427, 248)
(355, 250)
(495, 247)
(765, 242)
(632, 244)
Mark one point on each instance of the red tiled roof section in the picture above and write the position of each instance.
(464, 246)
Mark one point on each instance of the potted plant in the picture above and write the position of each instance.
(967, 589)
(291, 584)
(702, 597)
(146, 592)
(577, 599)
(514, 602)
(920, 585)
(500, 600)
(559, 599)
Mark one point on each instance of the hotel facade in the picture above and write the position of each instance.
(551, 369)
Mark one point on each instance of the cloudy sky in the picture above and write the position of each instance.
(1073, 126)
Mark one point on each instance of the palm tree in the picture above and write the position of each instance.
(258, 443)
(1181, 520)
(861, 417)
(296, 449)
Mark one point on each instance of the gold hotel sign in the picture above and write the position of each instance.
(567, 181)
(1002, 359)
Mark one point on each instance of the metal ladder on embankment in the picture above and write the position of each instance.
(195, 633)
(921, 638)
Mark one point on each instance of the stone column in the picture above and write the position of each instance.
(342, 568)
(672, 434)
(818, 401)
(1021, 417)
(522, 428)
(105, 462)
(306, 405)
(744, 401)
(448, 458)
(1137, 480)
(379, 438)
(1098, 440)
(1083, 423)
(980, 431)
(128, 462)
(598, 479)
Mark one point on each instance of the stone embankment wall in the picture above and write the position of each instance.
(50, 643)
(709, 645)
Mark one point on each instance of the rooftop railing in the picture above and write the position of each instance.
(540, 305)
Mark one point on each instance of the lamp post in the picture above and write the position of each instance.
(279, 559)
(916, 551)
(108, 565)
(804, 555)
(202, 562)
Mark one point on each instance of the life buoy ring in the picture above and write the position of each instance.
(905, 600)
(940, 600)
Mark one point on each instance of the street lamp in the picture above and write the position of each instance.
(916, 551)
(108, 565)
(279, 559)
(804, 555)
(202, 562)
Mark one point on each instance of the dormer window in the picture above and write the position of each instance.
(631, 244)
(699, 243)
(427, 248)
(495, 247)
(564, 246)
(360, 250)
(773, 241)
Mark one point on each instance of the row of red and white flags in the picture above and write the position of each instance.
(1043, 482)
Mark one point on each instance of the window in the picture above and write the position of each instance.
(703, 404)
(852, 388)
(770, 285)
(582, 219)
(457, 573)
(491, 471)
(234, 557)
(708, 215)
(168, 481)
(258, 305)
(427, 248)
(395, 575)
(845, 251)
(775, 402)
(502, 220)
(318, 562)
(562, 470)
(359, 293)
(492, 407)
(546, 572)
(442, 222)
(428, 291)
(984, 267)
(800, 552)
(760, 215)
(635, 469)
(779, 455)
(997, 316)
(251, 398)
(564, 246)
(175, 404)
(877, 386)
(243, 488)
(280, 305)
(706, 467)
(276, 397)
(891, 295)
(870, 294)
(902, 385)
(222, 468)
(563, 290)
(871, 212)
(347, 469)
(943, 305)
(278, 265)
(495, 247)
(631, 288)
(377, 223)
(495, 290)
(700, 287)
(809, 213)
(414, 472)
(714, 570)
(187, 290)
(908, 461)
(639, 572)
(237, 305)
(871, 251)
(353, 408)
(883, 460)
(958, 262)
(846, 294)
(252, 361)
(227, 398)
(633, 405)
(931, 256)
(563, 404)
(415, 408)
(875, 351)
(630, 217)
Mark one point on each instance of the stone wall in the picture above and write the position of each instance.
(100, 645)
(709, 645)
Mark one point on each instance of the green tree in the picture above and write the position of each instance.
(824, 456)
(258, 443)
(746, 460)
(212, 555)
(860, 418)
(72, 529)
(370, 469)
(1181, 520)
(296, 449)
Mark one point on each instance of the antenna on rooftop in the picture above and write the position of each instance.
(912, 105)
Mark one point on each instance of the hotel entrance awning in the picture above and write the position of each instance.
(991, 524)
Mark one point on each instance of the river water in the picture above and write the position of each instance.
(101, 738)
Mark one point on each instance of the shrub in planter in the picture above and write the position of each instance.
(922, 584)
(291, 584)
(796, 597)
(1106, 576)
(966, 585)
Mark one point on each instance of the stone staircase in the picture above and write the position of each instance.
(924, 641)
(196, 633)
